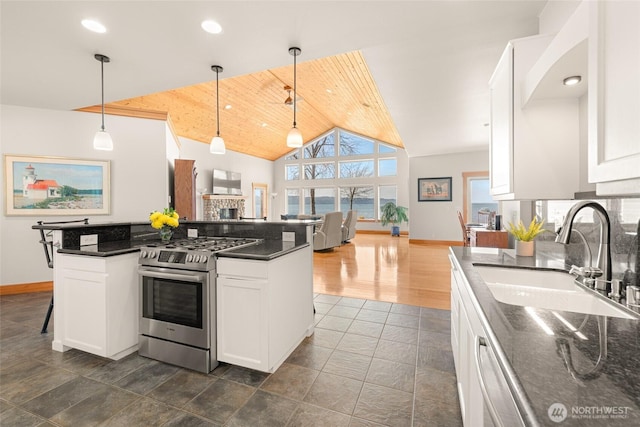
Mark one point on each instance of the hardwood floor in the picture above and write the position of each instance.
(384, 268)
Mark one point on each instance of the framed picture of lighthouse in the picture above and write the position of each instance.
(39, 186)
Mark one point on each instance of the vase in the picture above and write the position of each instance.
(165, 234)
(524, 248)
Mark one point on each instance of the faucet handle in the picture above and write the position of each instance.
(616, 290)
(633, 295)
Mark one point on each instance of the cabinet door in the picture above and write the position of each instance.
(243, 322)
(84, 320)
(614, 92)
(501, 147)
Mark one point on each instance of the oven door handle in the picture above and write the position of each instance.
(165, 273)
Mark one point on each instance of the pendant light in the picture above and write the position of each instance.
(217, 143)
(294, 139)
(102, 140)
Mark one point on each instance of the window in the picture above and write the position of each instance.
(386, 194)
(359, 199)
(387, 167)
(292, 172)
(319, 201)
(323, 147)
(319, 171)
(358, 169)
(341, 171)
(383, 149)
(353, 145)
(293, 201)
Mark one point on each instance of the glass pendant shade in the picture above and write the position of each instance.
(217, 145)
(294, 138)
(102, 141)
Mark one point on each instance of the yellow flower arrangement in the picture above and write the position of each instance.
(167, 218)
(529, 233)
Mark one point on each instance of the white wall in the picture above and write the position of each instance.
(139, 175)
(438, 220)
(253, 170)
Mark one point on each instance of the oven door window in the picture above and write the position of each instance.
(172, 301)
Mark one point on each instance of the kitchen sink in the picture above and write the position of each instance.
(551, 290)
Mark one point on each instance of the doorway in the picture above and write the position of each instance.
(478, 204)
(260, 200)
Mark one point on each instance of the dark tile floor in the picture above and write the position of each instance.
(369, 363)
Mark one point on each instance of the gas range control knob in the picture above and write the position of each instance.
(189, 257)
(143, 254)
(152, 254)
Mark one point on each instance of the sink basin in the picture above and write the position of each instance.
(551, 290)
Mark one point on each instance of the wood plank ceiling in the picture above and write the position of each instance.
(336, 91)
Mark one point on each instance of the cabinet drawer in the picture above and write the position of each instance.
(242, 268)
(84, 263)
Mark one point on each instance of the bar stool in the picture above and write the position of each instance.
(47, 243)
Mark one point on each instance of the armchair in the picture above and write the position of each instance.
(329, 235)
(349, 226)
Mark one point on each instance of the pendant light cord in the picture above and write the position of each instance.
(217, 104)
(102, 80)
(295, 54)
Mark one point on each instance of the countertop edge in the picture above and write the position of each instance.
(238, 253)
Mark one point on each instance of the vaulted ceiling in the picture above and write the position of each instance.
(337, 91)
(430, 61)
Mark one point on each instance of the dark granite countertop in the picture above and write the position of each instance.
(264, 251)
(559, 368)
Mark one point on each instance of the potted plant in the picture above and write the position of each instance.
(524, 235)
(391, 213)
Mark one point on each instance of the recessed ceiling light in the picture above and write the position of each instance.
(573, 80)
(264, 125)
(211, 27)
(94, 26)
(227, 107)
(329, 91)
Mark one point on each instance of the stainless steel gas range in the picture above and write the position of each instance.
(178, 300)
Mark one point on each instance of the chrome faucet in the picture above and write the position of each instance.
(604, 251)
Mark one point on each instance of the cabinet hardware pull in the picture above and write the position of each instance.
(481, 341)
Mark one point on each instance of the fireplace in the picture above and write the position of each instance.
(228, 213)
(222, 207)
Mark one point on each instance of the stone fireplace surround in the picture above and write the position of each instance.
(212, 203)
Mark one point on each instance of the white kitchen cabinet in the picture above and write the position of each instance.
(264, 308)
(96, 304)
(467, 326)
(533, 149)
(614, 97)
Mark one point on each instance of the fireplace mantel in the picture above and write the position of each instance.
(222, 196)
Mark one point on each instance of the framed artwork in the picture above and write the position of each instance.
(434, 189)
(39, 186)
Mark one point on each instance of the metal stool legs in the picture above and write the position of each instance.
(48, 316)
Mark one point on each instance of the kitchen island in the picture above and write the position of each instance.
(584, 367)
(98, 297)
